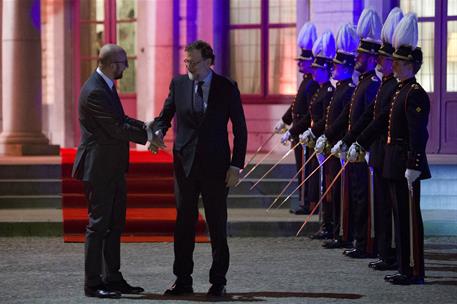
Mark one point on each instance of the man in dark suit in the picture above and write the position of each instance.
(101, 162)
(203, 102)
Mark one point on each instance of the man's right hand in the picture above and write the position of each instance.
(280, 127)
(320, 144)
(306, 137)
(156, 142)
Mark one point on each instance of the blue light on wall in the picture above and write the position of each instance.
(35, 15)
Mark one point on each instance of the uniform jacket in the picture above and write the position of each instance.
(371, 130)
(316, 108)
(407, 131)
(341, 96)
(299, 107)
(361, 99)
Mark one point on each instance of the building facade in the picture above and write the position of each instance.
(254, 42)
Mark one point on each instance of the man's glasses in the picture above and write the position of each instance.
(192, 63)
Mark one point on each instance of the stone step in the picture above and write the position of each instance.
(241, 223)
(280, 171)
(260, 201)
(30, 201)
(444, 172)
(267, 186)
(30, 186)
(30, 171)
(439, 202)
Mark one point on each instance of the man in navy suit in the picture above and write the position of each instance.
(101, 162)
(202, 102)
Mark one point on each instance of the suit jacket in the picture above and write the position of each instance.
(205, 138)
(103, 153)
(407, 131)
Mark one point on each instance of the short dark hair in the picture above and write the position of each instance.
(205, 49)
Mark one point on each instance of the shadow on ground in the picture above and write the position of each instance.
(247, 296)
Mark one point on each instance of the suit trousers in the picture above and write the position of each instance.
(383, 217)
(332, 202)
(399, 194)
(214, 195)
(358, 196)
(106, 209)
(298, 152)
(312, 185)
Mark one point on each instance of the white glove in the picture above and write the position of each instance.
(339, 148)
(156, 142)
(355, 153)
(367, 157)
(148, 126)
(280, 127)
(232, 177)
(306, 137)
(411, 175)
(285, 138)
(320, 144)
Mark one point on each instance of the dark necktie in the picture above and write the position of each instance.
(198, 98)
(117, 101)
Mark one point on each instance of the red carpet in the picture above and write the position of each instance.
(151, 209)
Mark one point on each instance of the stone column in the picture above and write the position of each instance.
(21, 75)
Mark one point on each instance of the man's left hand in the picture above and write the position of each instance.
(232, 177)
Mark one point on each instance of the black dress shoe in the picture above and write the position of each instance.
(382, 265)
(345, 252)
(179, 290)
(356, 254)
(100, 291)
(300, 210)
(217, 290)
(123, 287)
(390, 277)
(406, 280)
(332, 244)
(321, 235)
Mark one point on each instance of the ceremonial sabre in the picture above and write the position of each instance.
(322, 198)
(291, 180)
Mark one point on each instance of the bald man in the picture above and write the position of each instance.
(101, 162)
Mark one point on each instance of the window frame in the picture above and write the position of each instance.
(264, 97)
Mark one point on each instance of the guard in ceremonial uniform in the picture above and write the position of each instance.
(371, 134)
(356, 175)
(324, 51)
(343, 68)
(405, 162)
(299, 106)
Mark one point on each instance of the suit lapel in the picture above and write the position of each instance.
(114, 100)
(212, 90)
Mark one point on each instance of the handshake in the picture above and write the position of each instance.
(155, 139)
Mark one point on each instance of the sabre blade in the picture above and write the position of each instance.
(263, 158)
(291, 180)
(277, 163)
(322, 198)
(301, 184)
(259, 148)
